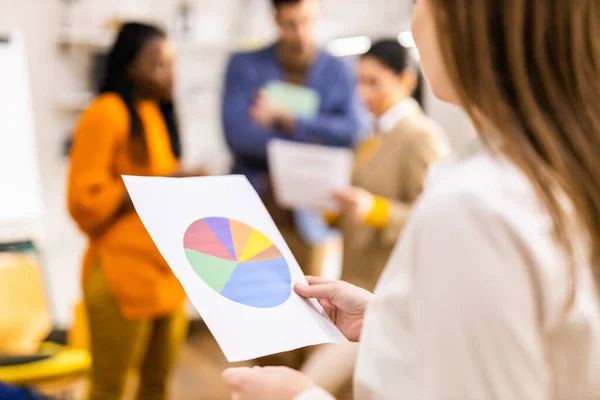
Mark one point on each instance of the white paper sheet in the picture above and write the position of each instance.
(221, 243)
(305, 176)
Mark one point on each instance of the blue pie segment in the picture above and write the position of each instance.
(261, 284)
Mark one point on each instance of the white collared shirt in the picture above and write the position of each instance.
(391, 117)
(472, 304)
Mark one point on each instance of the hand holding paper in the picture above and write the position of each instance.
(278, 105)
(345, 303)
(299, 101)
(266, 113)
(354, 202)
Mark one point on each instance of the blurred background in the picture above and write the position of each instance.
(61, 49)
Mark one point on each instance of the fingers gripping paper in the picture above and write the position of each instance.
(233, 263)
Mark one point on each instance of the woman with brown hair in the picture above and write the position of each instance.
(490, 293)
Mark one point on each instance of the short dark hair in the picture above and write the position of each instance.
(279, 3)
(390, 53)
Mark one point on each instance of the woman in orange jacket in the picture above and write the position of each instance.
(134, 302)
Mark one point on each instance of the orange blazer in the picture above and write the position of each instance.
(138, 276)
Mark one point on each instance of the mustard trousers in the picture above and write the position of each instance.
(120, 346)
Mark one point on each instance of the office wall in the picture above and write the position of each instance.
(58, 76)
(61, 245)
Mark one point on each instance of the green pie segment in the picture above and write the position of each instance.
(214, 271)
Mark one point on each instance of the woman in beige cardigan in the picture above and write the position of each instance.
(389, 175)
(390, 165)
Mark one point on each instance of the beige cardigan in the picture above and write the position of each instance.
(395, 171)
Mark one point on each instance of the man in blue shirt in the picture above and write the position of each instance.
(251, 119)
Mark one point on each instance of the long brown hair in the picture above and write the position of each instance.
(532, 69)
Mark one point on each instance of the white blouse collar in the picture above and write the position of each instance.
(391, 117)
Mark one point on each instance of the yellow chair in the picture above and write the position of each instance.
(25, 322)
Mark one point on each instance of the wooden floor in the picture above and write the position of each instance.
(198, 372)
(197, 375)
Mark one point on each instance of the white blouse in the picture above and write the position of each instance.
(397, 113)
(472, 305)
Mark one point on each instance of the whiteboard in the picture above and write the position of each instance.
(20, 191)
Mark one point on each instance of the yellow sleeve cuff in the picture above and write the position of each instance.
(379, 215)
(331, 217)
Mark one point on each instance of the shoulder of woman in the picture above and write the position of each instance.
(421, 134)
(478, 185)
(461, 214)
(109, 108)
(423, 128)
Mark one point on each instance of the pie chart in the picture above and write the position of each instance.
(238, 261)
